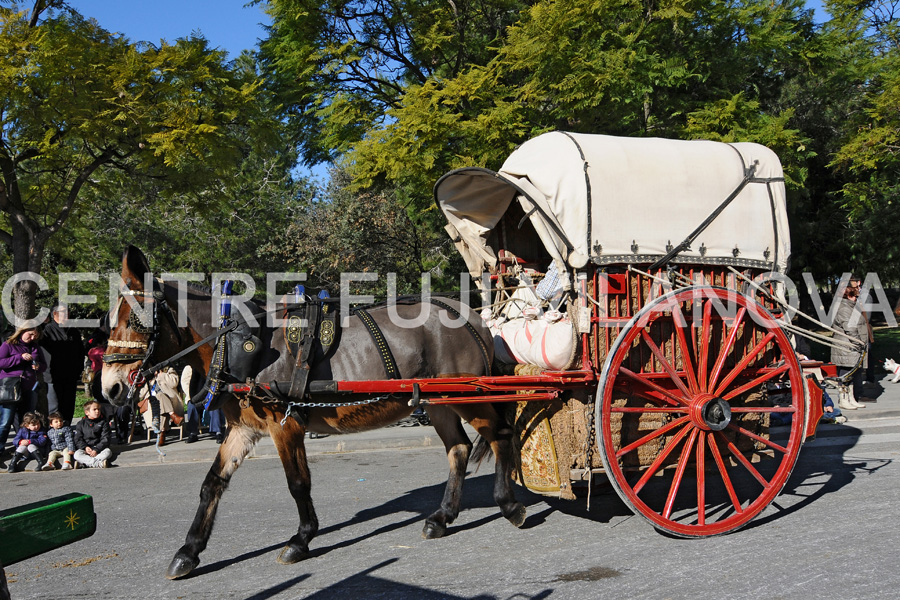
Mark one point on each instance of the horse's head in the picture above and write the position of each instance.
(143, 329)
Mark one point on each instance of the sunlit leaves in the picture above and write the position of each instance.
(80, 104)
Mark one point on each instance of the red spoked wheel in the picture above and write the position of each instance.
(688, 431)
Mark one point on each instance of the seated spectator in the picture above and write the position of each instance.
(30, 442)
(92, 438)
(831, 413)
(62, 443)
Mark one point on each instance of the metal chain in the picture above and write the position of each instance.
(294, 405)
(590, 448)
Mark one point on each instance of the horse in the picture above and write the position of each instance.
(432, 349)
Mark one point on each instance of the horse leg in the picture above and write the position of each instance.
(292, 450)
(238, 443)
(495, 432)
(458, 446)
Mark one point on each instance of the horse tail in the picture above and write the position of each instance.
(481, 451)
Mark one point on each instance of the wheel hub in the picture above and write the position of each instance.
(710, 412)
(716, 414)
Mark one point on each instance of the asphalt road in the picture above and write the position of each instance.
(831, 534)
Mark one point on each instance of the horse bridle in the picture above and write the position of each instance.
(137, 378)
(135, 325)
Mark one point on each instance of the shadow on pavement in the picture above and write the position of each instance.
(363, 584)
(278, 588)
(221, 564)
(820, 470)
(477, 493)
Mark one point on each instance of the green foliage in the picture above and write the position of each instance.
(357, 233)
(86, 113)
(849, 109)
(439, 126)
(738, 120)
(237, 218)
(824, 97)
(168, 147)
(871, 154)
(622, 67)
(339, 67)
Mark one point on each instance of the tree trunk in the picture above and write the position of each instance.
(27, 255)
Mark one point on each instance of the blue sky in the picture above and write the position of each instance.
(227, 24)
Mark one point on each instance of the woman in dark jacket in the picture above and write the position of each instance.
(20, 356)
(66, 350)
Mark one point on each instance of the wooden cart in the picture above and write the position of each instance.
(683, 377)
(634, 287)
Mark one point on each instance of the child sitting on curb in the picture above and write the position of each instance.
(62, 443)
(30, 442)
(92, 438)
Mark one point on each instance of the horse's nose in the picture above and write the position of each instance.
(112, 394)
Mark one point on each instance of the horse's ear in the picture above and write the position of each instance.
(134, 267)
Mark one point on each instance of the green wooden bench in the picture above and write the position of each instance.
(39, 527)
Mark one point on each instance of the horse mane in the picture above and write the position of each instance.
(191, 285)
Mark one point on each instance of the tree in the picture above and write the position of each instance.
(244, 212)
(219, 227)
(840, 219)
(395, 118)
(866, 159)
(80, 103)
(620, 67)
(340, 66)
(349, 232)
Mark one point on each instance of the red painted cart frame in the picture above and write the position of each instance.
(667, 371)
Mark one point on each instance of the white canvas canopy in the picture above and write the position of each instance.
(612, 200)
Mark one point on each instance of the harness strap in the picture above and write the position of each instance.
(300, 378)
(215, 370)
(384, 351)
(162, 365)
(485, 355)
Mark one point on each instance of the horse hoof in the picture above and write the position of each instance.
(291, 554)
(517, 515)
(433, 531)
(181, 566)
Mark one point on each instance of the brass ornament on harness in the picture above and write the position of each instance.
(109, 358)
(294, 329)
(326, 333)
(126, 344)
(136, 324)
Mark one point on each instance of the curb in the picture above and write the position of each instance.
(867, 414)
(204, 450)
